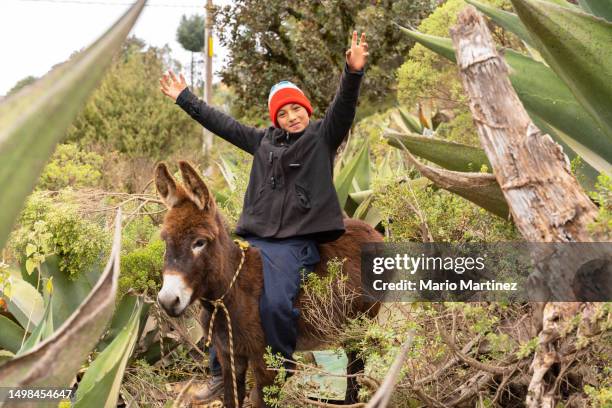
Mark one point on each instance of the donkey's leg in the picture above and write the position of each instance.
(263, 378)
(241, 365)
(355, 365)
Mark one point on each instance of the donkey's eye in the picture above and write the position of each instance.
(199, 244)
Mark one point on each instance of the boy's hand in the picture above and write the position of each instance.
(171, 86)
(357, 56)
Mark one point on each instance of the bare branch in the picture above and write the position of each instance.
(382, 396)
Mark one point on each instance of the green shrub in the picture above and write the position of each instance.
(603, 197)
(141, 268)
(447, 216)
(71, 167)
(138, 233)
(52, 224)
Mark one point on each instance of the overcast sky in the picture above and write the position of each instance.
(37, 34)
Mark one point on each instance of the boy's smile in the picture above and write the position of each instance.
(292, 118)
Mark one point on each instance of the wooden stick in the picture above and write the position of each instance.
(545, 200)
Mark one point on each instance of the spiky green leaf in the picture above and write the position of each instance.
(25, 303)
(505, 19)
(344, 178)
(11, 334)
(450, 155)
(543, 94)
(480, 188)
(562, 35)
(410, 121)
(599, 8)
(102, 380)
(42, 331)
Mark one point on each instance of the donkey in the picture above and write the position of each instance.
(200, 261)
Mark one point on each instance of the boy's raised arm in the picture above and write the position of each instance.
(245, 137)
(341, 113)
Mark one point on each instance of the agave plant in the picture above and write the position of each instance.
(49, 336)
(352, 181)
(570, 101)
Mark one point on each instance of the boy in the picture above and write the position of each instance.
(290, 204)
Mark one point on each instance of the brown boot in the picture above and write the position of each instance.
(211, 391)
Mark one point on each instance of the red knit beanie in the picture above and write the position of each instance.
(283, 93)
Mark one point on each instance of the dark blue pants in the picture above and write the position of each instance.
(284, 263)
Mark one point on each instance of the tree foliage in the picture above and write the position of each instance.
(305, 42)
(71, 167)
(128, 113)
(190, 33)
(21, 84)
(426, 76)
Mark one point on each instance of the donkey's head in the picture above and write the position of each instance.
(193, 233)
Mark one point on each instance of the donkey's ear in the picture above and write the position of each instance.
(196, 188)
(166, 185)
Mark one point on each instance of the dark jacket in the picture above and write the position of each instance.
(290, 191)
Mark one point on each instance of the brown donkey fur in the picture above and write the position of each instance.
(200, 261)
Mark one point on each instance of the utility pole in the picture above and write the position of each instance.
(207, 137)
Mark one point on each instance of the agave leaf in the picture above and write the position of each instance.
(228, 171)
(44, 329)
(368, 212)
(410, 121)
(599, 8)
(586, 174)
(400, 123)
(361, 181)
(102, 380)
(25, 303)
(450, 155)
(55, 361)
(360, 196)
(121, 317)
(11, 334)
(561, 35)
(509, 21)
(386, 170)
(344, 179)
(440, 45)
(34, 120)
(543, 94)
(480, 188)
(67, 294)
(562, 3)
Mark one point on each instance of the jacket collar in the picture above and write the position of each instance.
(282, 136)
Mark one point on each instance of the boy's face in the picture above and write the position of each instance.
(292, 118)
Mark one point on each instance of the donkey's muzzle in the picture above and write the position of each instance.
(175, 294)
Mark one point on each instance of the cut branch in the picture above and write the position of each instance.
(382, 396)
(545, 200)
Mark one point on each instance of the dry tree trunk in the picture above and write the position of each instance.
(545, 200)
